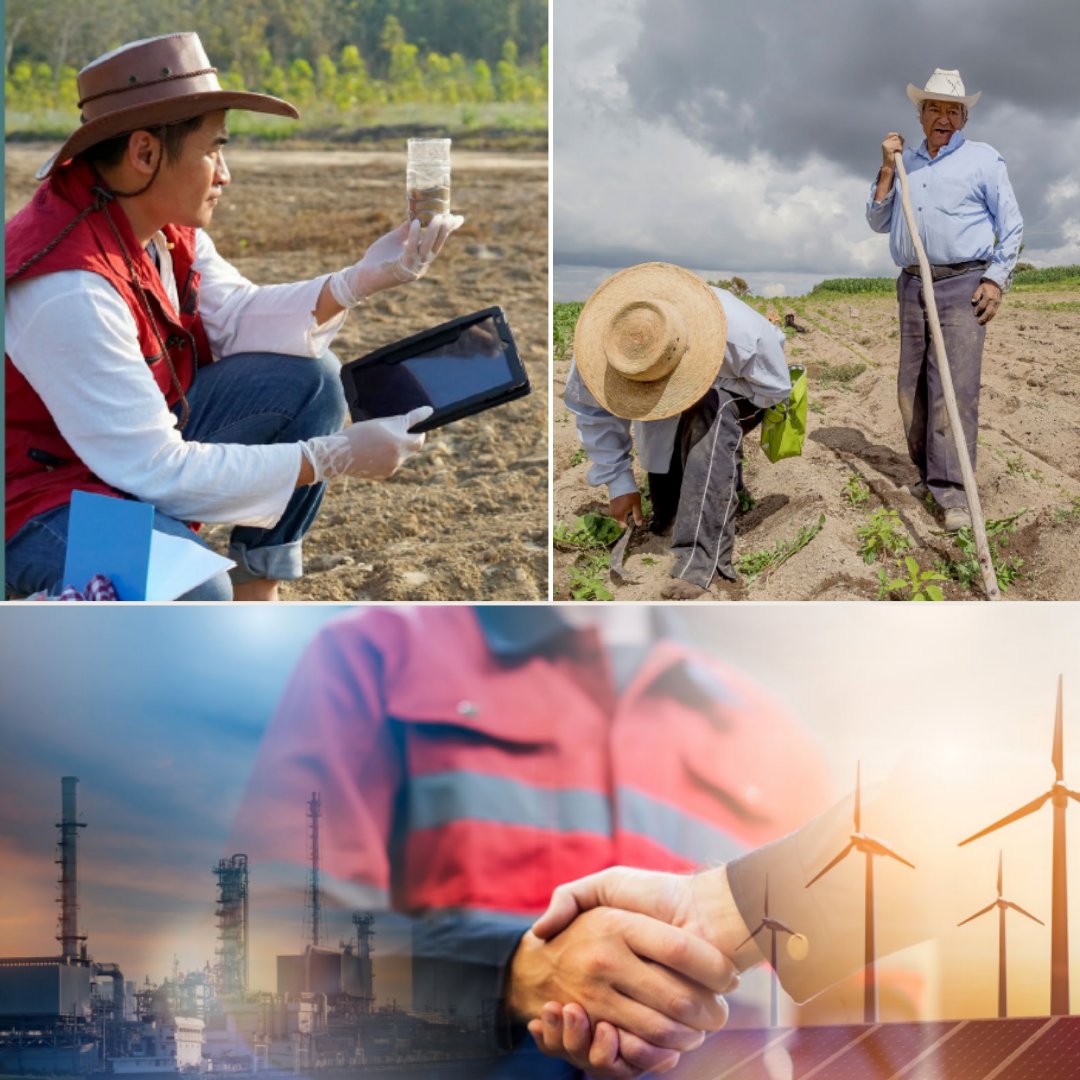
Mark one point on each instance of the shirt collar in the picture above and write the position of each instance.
(511, 632)
(955, 142)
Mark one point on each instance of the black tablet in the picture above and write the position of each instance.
(460, 368)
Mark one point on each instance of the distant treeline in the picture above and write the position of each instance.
(340, 52)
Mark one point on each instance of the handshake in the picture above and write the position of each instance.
(625, 970)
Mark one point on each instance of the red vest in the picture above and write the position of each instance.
(453, 778)
(41, 469)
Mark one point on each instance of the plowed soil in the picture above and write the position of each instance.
(467, 519)
(1028, 457)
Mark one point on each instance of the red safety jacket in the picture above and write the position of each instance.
(41, 469)
(452, 776)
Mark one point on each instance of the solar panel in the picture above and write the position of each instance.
(942, 1050)
(886, 1050)
(1055, 1055)
(975, 1049)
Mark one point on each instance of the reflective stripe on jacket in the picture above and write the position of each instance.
(453, 776)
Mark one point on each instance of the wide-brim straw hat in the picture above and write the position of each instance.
(160, 80)
(942, 86)
(650, 341)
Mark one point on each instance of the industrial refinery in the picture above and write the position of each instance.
(75, 1014)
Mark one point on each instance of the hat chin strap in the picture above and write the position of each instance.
(645, 340)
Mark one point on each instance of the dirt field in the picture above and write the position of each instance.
(1028, 457)
(468, 518)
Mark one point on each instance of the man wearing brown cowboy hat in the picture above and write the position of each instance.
(683, 370)
(141, 364)
(971, 229)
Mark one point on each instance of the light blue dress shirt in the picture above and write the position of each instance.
(754, 367)
(962, 201)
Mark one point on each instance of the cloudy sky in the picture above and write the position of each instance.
(742, 138)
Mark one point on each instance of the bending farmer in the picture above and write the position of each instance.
(683, 370)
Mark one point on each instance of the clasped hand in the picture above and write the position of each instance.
(617, 975)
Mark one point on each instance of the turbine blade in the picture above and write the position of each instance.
(1058, 755)
(1073, 794)
(752, 936)
(1017, 907)
(858, 796)
(1016, 815)
(989, 907)
(881, 848)
(1001, 857)
(777, 927)
(821, 873)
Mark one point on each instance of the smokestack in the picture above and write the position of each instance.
(314, 809)
(69, 827)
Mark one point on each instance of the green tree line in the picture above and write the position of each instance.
(340, 52)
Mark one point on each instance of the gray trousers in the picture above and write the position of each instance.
(701, 486)
(922, 403)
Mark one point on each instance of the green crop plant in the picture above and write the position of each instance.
(1068, 514)
(578, 457)
(1066, 277)
(966, 570)
(588, 578)
(589, 532)
(850, 286)
(855, 491)
(919, 584)
(817, 408)
(764, 562)
(882, 537)
(841, 374)
(564, 319)
(646, 498)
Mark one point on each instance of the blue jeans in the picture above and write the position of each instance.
(250, 398)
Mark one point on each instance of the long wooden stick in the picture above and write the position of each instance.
(982, 547)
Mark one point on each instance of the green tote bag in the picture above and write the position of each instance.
(783, 429)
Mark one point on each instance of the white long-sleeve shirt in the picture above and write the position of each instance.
(754, 367)
(75, 340)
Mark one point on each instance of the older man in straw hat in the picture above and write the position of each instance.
(971, 229)
(683, 370)
(117, 308)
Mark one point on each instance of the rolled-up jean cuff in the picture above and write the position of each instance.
(282, 562)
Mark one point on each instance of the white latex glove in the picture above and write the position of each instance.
(397, 258)
(371, 449)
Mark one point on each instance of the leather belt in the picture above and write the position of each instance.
(948, 270)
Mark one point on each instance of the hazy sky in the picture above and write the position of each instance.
(742, 138)
(159, 711)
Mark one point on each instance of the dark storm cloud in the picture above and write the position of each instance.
(796, 79)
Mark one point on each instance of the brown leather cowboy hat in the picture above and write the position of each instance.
(160, 80)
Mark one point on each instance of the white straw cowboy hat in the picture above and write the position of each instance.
(160, 80)
(650, 341)
(942, 86)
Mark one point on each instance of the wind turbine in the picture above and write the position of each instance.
(1060, 795)
(1002, 905)
(774, 926)
(870, 847)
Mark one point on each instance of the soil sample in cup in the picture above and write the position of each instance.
(427, 179)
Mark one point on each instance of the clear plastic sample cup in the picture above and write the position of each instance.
(427, 179)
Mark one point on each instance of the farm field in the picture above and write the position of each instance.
(855, 465)
(467, 518)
